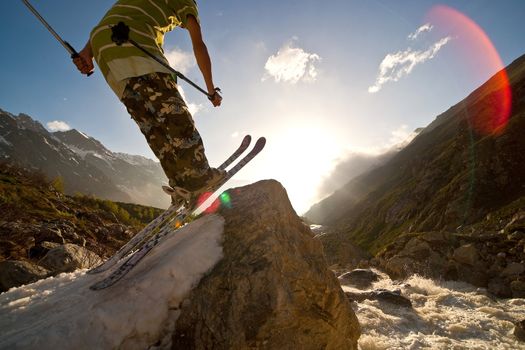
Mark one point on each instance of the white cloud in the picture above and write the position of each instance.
(291, 64)
(58, 125)
(401, 137)
(192, 107)
(235, 134)
(397, 65)
(181, 61)
(424, 28)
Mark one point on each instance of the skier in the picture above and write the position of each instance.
(149, 90)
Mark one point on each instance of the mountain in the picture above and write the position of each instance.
(85, 165)
(352, 167)
(450, 175)
(338, 189)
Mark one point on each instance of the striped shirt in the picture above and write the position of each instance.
(148, 20)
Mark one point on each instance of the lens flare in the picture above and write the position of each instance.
(223, 200)
(226, 199)
(212, 207)
(488, 107)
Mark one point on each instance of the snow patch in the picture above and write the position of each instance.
(5, 142)
(78, 151)
(62, 312)
(81, 133)
(51, 146)
(135, 159)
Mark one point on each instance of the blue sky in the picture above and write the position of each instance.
(298, 72)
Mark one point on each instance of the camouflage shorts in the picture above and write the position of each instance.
(156, 105)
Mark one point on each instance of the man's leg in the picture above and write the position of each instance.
(156, 105)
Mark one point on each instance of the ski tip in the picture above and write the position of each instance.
(247, 139)
(261, 141)
(168, 190)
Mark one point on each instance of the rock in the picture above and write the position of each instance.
(40, 250)
(519, 330)
(342, 252)
(357, 296)
(467, 254)
(518, 289)
(517, 222)
(416, 257)
(417, 249)
(68, 258)
(382, 295)
(513, 269)
(500, 288)
(272, 289)
(477, 275)
(359, 278)
(49, 234)
(398, 267)
(392, 297)
(16, 273)
(515, 235)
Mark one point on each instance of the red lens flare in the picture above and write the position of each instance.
(489, 107)
(223, 200)
(213, 207)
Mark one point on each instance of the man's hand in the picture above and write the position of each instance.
(84, 60)
(215, 99)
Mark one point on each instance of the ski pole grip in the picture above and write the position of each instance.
(74, 54)
(211, 97)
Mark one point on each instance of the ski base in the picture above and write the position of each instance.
(166, 229)
(152, 228)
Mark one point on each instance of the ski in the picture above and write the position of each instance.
(134, 259)
(152, 227)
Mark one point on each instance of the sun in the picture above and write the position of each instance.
(301, 156)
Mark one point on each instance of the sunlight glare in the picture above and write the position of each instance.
(303, 155)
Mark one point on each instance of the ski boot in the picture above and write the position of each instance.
(190, 199)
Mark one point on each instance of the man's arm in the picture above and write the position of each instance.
(203, 58)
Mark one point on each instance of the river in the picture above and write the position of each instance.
(445, 315)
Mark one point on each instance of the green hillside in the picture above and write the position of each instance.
(35, 210)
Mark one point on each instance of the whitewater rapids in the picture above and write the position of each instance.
(445, 315)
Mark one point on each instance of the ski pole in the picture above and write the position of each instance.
(65, 44)
(120, 35)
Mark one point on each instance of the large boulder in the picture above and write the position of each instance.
(16, 273)
(423, 254)
(467, 254)
(272, 289)
(68, 258)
